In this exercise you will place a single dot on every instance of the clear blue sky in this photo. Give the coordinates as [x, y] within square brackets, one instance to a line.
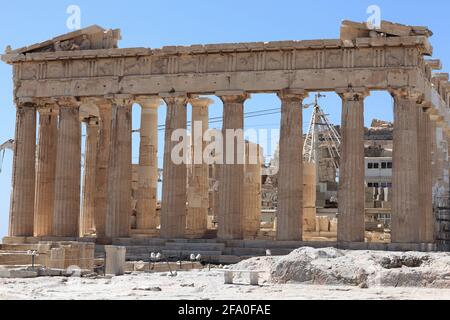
[155, 23]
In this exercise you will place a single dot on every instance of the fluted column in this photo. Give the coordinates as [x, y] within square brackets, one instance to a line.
[252, 190]
[45, 170]
[66, 214]
[351, 221]
[119, 174]
[89, 187]
[290, 174]
[173, 207]
[21, 219]
[198, 178]
[148, 165]
[102, 167]
[231, 213]
[405, 176]
[425, 177]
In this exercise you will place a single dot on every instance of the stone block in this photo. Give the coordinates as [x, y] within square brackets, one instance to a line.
[17, 273]
[115, 260]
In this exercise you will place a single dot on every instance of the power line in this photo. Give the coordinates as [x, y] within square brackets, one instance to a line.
[247, 115]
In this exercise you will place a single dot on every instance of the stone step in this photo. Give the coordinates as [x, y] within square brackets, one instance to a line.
[19, 247]
[139, 242]
[213, 259]
[227, 259]
[173, 254]
[281, 252]
[193, 241]
[145, 249]
[19, 258]
[195, 246]
[17, 273]
[187, 253]
[245, 251]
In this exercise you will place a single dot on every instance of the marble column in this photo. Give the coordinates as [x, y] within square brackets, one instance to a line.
[231, 197]
[198, 177]
[21, 219]
[309, 196]
[351, 220]
[146, 218]
[290, 174]
[252, 190]
[216, 171]
[173, 207]
[66, 214]
[405, 176]
[440, 185]
[89, 186]
[102, 167]
[425, 177]
[45, 170]
[119, 173]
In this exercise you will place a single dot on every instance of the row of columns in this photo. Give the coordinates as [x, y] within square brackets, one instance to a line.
[107, 181]
[412, 215]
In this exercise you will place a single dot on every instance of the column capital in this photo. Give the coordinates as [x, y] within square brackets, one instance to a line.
[149, 102]
[48, 110]
[406, 93]
[178, 98]
[201, 102]
[121, 100]
[25, 103]
[293, 95]
[353, 94]
[47, 106]
[233, 96]
[67, 102]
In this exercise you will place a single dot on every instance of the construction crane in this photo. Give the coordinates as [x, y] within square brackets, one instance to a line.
[321, 134]
[8, 145]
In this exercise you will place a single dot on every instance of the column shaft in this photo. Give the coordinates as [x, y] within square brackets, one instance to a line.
[148, 166]
[119, 174]
[102, 169]
[66, 215]
[425, 177]
[45, 171]
[173, 207]
[252, 190]
[351, 221]
[231, 197]
[290, 174]
[23, 180]
[89, 186]
[405, 176]
[198, 177]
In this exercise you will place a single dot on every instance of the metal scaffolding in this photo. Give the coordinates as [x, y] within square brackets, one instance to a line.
[8, 145]
[321, 134]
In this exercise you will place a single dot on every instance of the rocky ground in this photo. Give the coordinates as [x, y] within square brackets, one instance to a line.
[365, 269]
[305, 274]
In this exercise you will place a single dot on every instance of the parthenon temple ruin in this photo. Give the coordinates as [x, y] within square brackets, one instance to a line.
[84, 78]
